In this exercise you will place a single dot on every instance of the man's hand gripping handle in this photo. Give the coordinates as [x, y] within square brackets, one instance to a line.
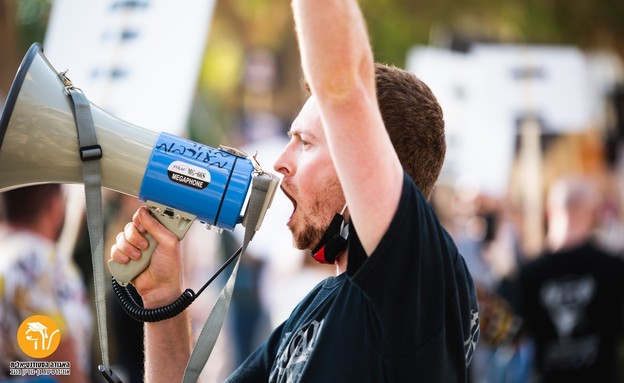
[178, 222]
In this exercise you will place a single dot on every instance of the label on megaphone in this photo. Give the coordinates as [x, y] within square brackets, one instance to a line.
[207, 182]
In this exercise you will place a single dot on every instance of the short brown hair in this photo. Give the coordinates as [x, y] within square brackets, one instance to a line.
[414, 121]
[23, 206]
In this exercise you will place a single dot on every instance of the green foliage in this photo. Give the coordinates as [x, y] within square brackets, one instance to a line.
[396, 25]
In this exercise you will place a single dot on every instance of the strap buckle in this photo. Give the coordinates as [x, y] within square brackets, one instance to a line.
[90, 152]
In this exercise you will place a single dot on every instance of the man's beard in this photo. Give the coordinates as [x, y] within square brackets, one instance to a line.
[310, 237]
[312, 232]
[313, 228]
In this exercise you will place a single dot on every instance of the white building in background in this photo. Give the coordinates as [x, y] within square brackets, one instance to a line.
[489, 91]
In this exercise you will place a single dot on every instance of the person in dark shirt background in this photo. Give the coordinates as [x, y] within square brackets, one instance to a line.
[571, 296]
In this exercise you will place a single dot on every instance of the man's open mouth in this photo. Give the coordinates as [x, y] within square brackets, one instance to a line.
[292, 199]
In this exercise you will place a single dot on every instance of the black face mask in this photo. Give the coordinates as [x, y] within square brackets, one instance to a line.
[334, 241]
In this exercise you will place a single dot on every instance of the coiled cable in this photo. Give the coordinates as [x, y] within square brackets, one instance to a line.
[141, 314]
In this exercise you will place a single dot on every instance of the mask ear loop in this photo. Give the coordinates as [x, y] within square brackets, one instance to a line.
[344, 228]
[344, 209]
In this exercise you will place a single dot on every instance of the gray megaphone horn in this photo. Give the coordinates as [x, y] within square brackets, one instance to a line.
[179, 179]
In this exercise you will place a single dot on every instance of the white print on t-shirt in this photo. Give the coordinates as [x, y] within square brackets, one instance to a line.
[470, 344]
[566, 300]
[294, 353]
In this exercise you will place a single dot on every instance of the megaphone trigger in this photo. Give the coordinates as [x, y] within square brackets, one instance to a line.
[176, 221]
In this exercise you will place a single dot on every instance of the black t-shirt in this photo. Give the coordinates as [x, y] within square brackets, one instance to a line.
[572, 304]
[407, 313]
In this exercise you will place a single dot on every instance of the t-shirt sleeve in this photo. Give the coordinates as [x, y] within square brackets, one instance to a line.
[416, 282]
[257, 366]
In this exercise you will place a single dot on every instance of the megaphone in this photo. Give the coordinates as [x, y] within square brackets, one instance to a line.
[181, 180]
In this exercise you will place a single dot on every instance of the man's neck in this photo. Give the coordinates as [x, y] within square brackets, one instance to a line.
[341, 262]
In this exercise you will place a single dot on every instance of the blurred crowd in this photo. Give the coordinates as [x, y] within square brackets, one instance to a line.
[555, 314]
[548, 313]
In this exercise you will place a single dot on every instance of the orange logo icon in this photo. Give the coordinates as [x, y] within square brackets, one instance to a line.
[38, 336]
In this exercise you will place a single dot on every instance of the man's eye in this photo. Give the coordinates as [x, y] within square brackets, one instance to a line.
[303, 142]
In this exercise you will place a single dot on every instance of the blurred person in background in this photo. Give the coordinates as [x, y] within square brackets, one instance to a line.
[36, 280]
[402, 306]
[571, 296]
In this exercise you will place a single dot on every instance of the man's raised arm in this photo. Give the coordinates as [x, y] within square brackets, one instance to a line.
[338, 65]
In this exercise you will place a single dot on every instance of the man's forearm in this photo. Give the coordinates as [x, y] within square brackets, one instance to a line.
[167, 348]
[333, 42]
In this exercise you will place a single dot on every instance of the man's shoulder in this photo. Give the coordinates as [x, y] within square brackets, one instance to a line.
[412, 199]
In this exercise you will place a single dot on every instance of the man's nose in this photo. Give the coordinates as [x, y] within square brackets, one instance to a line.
[282, 164]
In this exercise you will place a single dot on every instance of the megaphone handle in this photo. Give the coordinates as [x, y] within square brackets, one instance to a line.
[125, 273]
[177, 221]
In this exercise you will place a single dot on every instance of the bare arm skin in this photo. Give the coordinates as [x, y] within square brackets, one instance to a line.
[338, 64]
